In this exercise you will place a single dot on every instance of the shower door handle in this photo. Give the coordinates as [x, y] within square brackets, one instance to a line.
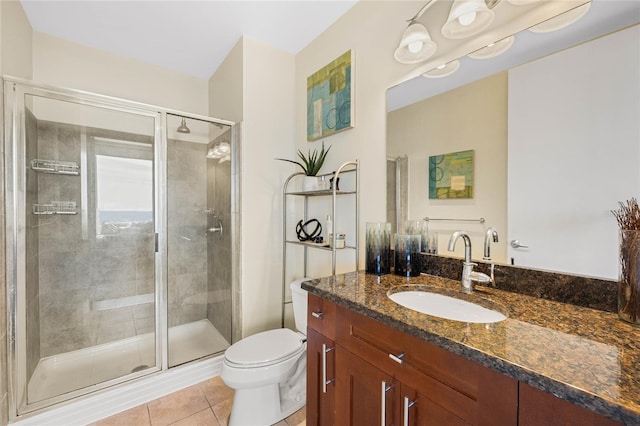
[155, 244]
[216, 229]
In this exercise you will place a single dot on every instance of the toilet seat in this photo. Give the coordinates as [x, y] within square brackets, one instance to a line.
[264, 349]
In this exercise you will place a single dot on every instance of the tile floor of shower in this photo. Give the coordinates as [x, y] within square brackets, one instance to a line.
[59, 374]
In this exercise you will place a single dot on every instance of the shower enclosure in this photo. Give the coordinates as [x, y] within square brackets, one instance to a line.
[118, 241]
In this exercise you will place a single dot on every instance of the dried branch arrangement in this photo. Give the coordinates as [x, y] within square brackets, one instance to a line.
[628, 217]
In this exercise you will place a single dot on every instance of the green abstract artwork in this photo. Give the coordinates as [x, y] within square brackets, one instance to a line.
[451, 175]
[329, 99]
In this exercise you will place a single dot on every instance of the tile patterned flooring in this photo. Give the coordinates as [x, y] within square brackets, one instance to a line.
[205, 404]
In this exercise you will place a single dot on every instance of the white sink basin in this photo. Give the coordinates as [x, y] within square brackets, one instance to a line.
[447, 307]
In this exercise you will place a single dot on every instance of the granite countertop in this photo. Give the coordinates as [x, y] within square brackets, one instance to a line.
[586, 356]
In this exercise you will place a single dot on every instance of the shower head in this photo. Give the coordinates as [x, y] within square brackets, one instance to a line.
[183, 127]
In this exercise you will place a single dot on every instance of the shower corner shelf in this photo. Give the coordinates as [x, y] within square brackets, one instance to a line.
[55, 167]
[55, 207]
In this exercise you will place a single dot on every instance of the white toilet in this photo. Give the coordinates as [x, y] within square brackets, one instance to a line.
[268, 370]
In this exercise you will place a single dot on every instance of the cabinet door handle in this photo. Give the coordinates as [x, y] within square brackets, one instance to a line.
[405, 416]
[325, 382]
[397, 358]
[383, 402]
[317, 315]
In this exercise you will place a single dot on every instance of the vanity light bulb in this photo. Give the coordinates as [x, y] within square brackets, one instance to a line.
[224, 147]
[415, 47]
[467, 18]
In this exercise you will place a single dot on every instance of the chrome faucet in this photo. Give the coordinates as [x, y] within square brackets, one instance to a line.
[467, 266]
[490, 235]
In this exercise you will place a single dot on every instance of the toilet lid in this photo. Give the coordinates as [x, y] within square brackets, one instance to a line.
[264, 348]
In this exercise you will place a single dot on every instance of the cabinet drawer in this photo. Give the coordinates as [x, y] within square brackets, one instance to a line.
[375, 342]
[321, 316]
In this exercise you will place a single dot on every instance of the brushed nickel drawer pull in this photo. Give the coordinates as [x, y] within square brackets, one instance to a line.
[407, 404]
[317, 315]
[398, 358]
[383, 402]
[325, 382]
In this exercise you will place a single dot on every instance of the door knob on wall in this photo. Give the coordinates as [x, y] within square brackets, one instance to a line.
[516, 244]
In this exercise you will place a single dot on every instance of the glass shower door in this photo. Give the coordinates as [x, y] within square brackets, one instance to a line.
[85, 211]
[198, 238]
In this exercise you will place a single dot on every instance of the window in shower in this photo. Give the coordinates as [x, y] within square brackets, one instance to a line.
[124, 200]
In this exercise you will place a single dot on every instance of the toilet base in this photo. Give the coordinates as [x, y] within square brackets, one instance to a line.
[261, 406]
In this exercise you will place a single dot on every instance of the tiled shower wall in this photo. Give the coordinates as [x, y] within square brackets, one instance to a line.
[219, 245]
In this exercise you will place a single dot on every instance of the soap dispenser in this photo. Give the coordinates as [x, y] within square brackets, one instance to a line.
[329, 230]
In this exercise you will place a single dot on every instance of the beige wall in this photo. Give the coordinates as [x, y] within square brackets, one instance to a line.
[62, 63]
[225, 86]
[371, 29]
[264, 103]
[426, 128]
[16, 50]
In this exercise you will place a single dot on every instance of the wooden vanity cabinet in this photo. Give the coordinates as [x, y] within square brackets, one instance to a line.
[373, 371]
[432, 386]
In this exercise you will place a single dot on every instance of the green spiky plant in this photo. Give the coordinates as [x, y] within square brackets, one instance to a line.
[312, 163]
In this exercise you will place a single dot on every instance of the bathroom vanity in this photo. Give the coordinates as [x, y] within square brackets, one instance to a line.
[372, 361]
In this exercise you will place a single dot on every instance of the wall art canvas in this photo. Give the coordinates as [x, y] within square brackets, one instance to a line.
[330, 98]
[451, 175]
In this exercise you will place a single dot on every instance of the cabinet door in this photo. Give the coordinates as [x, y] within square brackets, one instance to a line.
[365, 395]
[417, 409]
[320, 369]
[540, 408]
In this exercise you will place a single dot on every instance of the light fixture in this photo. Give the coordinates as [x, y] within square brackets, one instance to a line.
[494, 49]
[220, 150]
[443, 70]
[562, 20]
[183, 127]
[416, 44]
[467, 18]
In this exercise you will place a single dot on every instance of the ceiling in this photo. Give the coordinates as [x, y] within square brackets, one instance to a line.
[190, 37]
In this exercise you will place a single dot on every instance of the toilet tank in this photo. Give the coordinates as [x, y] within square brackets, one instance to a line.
[299, 301]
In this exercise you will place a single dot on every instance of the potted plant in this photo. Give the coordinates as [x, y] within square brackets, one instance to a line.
[311, 165]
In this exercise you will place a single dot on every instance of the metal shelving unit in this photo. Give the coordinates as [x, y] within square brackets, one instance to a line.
[346, 168]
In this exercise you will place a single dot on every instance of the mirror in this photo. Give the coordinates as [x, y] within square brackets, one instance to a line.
[529, 182]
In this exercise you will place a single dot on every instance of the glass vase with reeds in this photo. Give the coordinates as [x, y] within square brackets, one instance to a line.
[628, 217]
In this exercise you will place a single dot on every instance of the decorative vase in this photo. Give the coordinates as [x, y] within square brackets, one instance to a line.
[378, 243]
[407, 255]
[629, 283]
[310, 183]
[419, 227]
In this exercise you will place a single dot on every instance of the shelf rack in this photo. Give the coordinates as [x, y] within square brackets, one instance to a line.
[334, 193]
[55, 167]
[55, 207]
